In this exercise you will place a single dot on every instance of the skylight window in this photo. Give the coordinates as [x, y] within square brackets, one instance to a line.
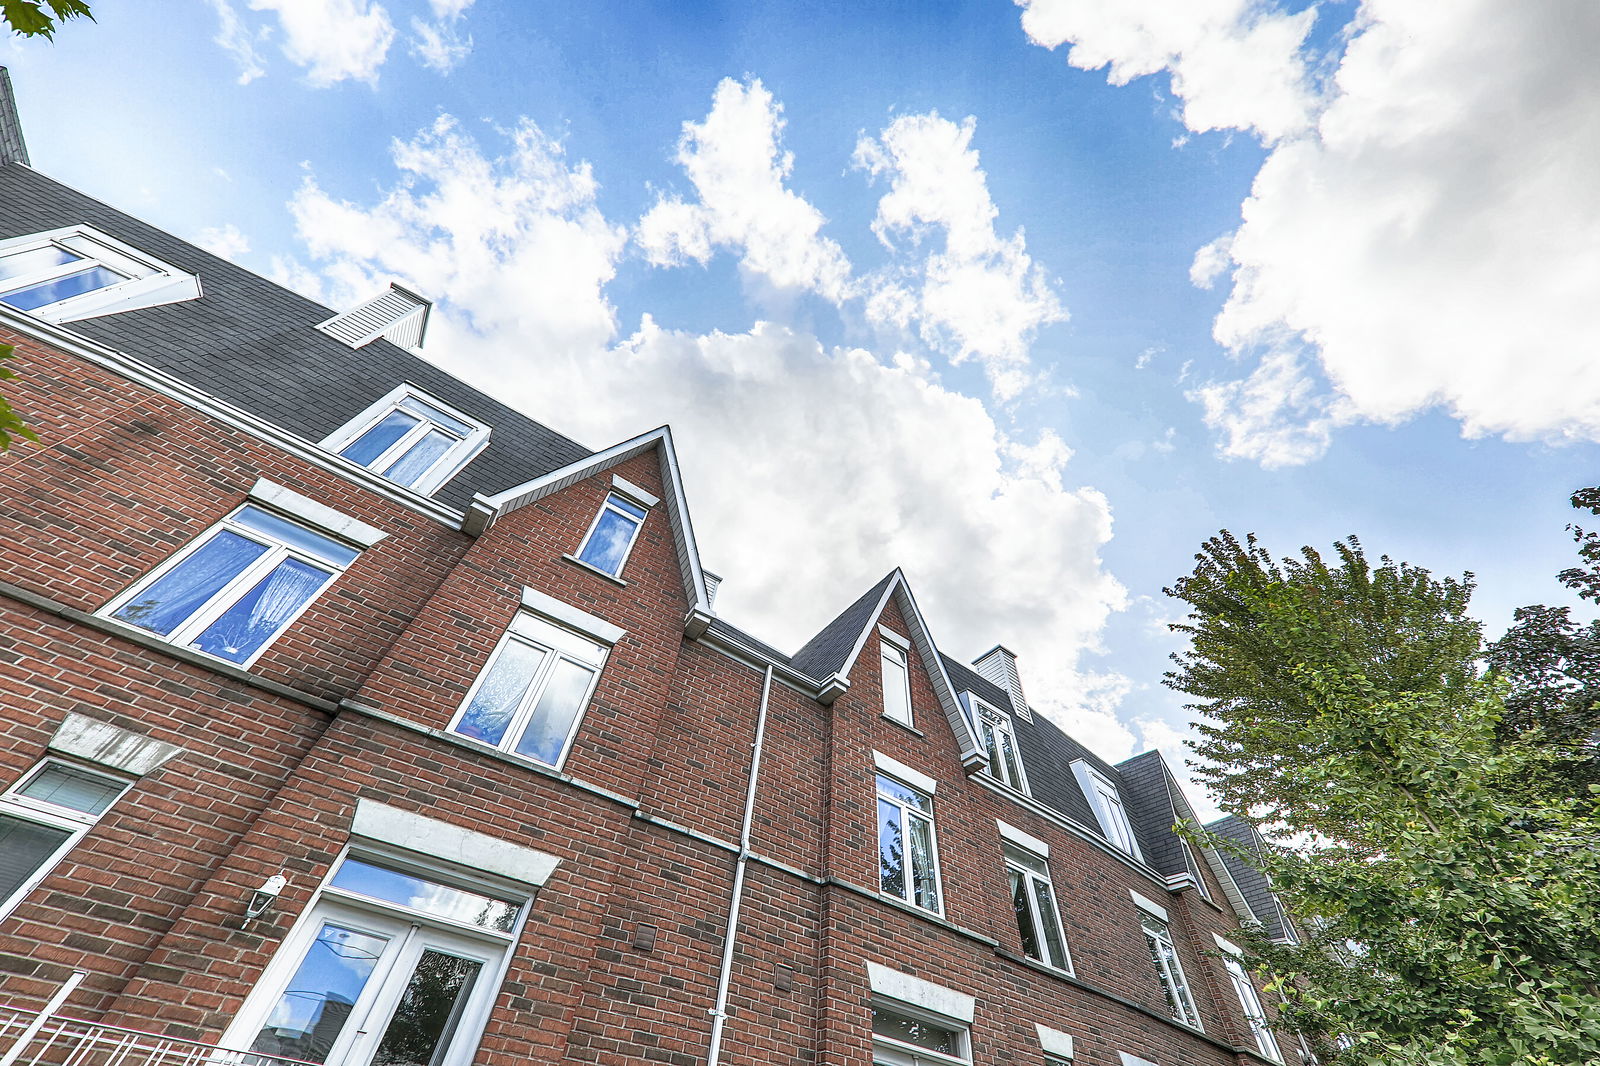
[74, 273]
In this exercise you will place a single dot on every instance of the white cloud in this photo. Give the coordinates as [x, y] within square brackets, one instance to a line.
[449, 9]
[224, 240]
[1432, 241]
[518, 254]
[1234, 63]
[439, 46]
[238, 41]
[737, 164]
[979, 295]
[334, 40]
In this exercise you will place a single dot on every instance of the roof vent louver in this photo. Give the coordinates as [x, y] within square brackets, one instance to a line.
[399, 315]
[999, 665]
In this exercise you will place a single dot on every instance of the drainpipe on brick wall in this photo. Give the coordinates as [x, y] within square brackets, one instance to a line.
[719, 1012]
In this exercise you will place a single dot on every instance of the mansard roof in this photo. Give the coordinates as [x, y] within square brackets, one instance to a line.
[251, 342]
[1253, 884]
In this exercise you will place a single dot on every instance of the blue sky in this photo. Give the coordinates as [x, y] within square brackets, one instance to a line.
[1027, 299]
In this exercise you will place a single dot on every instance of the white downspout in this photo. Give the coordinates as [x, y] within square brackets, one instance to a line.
[719, 1012]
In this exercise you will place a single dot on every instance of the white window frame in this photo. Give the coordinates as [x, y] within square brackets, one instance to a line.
[1255, 1015]
[888, 1051]
[523, 630]
[447, 466]
[1015, 857]
[909, 857]
[229, 594]
[992, 720]
[893, 655]
[615, 493]
[330, 901]
[148, 281]
[1106, 802]
[1199, 871]
[53, 816]
[1169, 968]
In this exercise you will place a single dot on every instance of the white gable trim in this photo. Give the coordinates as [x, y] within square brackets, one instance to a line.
[904, 988]
[485, 510]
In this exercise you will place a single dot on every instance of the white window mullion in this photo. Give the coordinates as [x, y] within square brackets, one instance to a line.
[228, 594]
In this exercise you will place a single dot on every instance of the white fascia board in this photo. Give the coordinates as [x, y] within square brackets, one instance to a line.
[936, 999]
[175, 388]
[486, 509]
[1025, 841]
[1054, 1041]
[895, 768]
[325, 518]
[629, 489]
[866, 630]
[571, 617]
[441, 840]
[972, 755]
[110, 746]
[1148, 905]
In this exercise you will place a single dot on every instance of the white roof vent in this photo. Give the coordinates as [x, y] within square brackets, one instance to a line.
[712, 581]
[399, 314]
[999, 665]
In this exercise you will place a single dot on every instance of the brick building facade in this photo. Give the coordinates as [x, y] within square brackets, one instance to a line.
[353, 717]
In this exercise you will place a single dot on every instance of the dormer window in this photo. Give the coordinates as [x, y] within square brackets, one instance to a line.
[894, 651]
[1106, 802]
[411, 439]
[1000, 742]
[74, 273]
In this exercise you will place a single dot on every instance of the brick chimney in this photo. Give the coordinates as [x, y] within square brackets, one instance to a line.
[999, 665]
[12, 147]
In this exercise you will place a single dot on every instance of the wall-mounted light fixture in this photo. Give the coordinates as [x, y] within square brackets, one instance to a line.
[263, 898]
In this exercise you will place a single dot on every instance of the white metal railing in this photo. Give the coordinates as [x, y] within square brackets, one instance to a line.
[43, 1038]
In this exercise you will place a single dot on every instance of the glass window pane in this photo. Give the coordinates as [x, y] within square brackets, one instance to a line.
[313, 1010]
[891, 850]
[366, 448]
[419, 458]
[257, 616]
[606, 546]
[297, 536]
[497, 699]
[896, 702]
[561, 639]
[74, 789]
[1055, 944]
[24, 847]
[904, 793]
[1025, 924]
[1008, 759]
[184, 589]
[558, 706]
[429, 1011]
[33, 297]
[434, 414]
[16, 264]
[916, 1032]
[922, 864]
[429, 897]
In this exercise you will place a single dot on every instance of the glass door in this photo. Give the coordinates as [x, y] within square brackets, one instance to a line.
[357, 989]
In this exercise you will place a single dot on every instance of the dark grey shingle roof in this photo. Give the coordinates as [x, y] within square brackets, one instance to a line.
[1148, 797]
[251, 342]
[1253, 884]
[825, 653]
[724, 629]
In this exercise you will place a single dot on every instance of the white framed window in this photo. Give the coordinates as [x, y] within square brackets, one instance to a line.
[393, 963]
[1249, 1002]
[1164, 954]
[903, 1035]
[896, 681]
[532, 694]
[612, 533]
[411, 438]
[1033, 899]
[1106, 802]
[908, 854]
[1000, 742]
[42, 816]
[233, 591]
[77, 272]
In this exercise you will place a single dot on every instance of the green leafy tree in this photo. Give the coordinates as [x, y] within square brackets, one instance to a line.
[41, 18]
[1444, 870]
[11, 425]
